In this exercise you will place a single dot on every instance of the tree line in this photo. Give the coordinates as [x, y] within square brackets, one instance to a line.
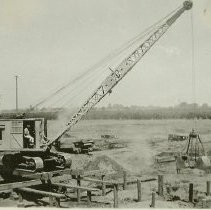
[118, 111]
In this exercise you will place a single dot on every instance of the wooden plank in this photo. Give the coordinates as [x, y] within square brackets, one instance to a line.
[44, 193]
[142, 180]
[76, 187]
[19, 184]
[111, 183]
[27, 174]
[99, 181]
[6, 191]
[149, 179]
[13, 185]
[94, 172]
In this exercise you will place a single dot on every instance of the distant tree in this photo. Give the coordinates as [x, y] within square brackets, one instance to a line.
[182, 105]
[204, 106]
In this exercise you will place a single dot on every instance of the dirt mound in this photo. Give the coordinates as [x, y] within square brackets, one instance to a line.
[106, 164]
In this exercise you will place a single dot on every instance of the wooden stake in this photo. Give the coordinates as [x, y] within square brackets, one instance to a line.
[78, 195]
[53, 201]
[89, 197]
[160, 185]
[191, 192]
[124, 180]
[208, 188]
[139, 189]
[204, 203]
[103, 186]
[153, 200]
[20, 201]
[79, 180]
[115, 196]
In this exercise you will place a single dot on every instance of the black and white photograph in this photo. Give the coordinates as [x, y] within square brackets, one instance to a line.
[105, 104]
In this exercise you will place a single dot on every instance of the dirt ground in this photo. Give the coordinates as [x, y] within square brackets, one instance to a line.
[144, 140]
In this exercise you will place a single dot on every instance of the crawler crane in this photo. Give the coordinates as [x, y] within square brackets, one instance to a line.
[42, 158]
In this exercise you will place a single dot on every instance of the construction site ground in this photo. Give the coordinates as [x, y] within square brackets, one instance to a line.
[143, 141]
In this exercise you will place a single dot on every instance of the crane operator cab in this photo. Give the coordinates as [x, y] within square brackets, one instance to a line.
[22, 148]
[22, 133]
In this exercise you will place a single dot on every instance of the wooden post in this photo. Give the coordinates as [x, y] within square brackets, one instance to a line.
[191, 192]
[208, 188]
[103, 186]
[79, 180]
[89, 197]
[124, 180]
[139, 190]
[153, 200]
[78, 195]
[160, 185]
[13, 195]
[57, 202]
[115, 196]
[20, 201]
[204, 203]
[53, 201]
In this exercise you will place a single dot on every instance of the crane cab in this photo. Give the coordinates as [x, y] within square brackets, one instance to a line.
[17, 133]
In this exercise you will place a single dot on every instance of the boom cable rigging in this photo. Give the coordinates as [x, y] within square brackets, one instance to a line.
[103, 63]
[193, 72]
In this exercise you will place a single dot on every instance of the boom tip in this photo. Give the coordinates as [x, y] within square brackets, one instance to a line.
[188, 5]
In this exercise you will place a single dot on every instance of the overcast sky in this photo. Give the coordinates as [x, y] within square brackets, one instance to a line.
[50, 42]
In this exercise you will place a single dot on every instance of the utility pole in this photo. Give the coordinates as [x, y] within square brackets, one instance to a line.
[0, 101]
[16, 90]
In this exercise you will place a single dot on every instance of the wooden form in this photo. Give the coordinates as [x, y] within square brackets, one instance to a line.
[99, 181]
[38, 178]
[26, 174]
[130, 182]
[7, 186]
[54, 198]
[15, 185]
[78, 190]
[54, 178]
[107, 183]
